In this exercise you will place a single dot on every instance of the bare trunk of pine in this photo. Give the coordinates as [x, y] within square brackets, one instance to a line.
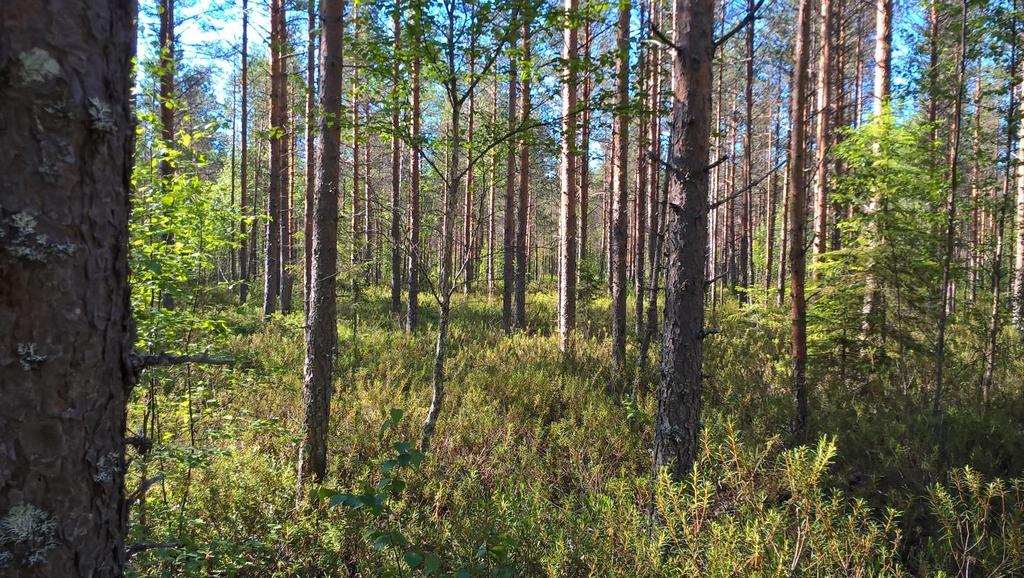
[770, 202]
[798, 217]
[245, 272]
[285, 219]
[272, 271]
[396, 174]
[883, 64]
[619, 202]
[509, 234]
[413, 271]
[1013, 128]
[321, 337]
[312, 29]
[492, 196]
[167, 128]
[523, 205]
[746, 267]
[823, 137]
[567, 226]
[467, 215]
[64, 296]
[358, 230]
[584, 153]
[641, 193]
[677, 420]
[950, 228]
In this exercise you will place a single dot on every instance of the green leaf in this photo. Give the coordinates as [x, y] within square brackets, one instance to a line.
[431, 564]
[413, 559]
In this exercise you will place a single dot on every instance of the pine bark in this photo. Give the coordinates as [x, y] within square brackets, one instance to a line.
[567, 225]
[822, 139]
[584, 152]
[620, 187]
[396, 173]
[523, 203]
[272, 270]
[308, 214]
[798, 218]
[167, 120]
[64, 296]
[509, 223]
[321, 337]
[244, 271]
[883, 65]
[950, 210]
[413, 270]
[677, 418]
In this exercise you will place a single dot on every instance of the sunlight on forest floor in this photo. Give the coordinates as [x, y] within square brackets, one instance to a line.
[541, 464]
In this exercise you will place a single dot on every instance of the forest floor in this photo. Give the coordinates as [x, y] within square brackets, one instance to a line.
[541, 464]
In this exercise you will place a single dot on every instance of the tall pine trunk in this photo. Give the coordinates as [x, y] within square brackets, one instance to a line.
[509, 221]
[272, 270]
[677, 418]
[950, 209]
[396, 172]
[523, 204]
[619, 208]
[567, 226]
[798, 217]
[321, 337]
[244, 271]
[64, 296]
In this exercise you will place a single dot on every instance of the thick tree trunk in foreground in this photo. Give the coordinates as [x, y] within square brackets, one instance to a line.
[64, 298]
[677, 421]
[321, 338]
[619, 202]
[567, 207]
[798, 217]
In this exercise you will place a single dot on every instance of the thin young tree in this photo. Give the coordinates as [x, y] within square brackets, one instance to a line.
[321, 338]
[677, 418]
[68, 332]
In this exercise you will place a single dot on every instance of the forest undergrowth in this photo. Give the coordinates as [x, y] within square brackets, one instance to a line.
[541, 465]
